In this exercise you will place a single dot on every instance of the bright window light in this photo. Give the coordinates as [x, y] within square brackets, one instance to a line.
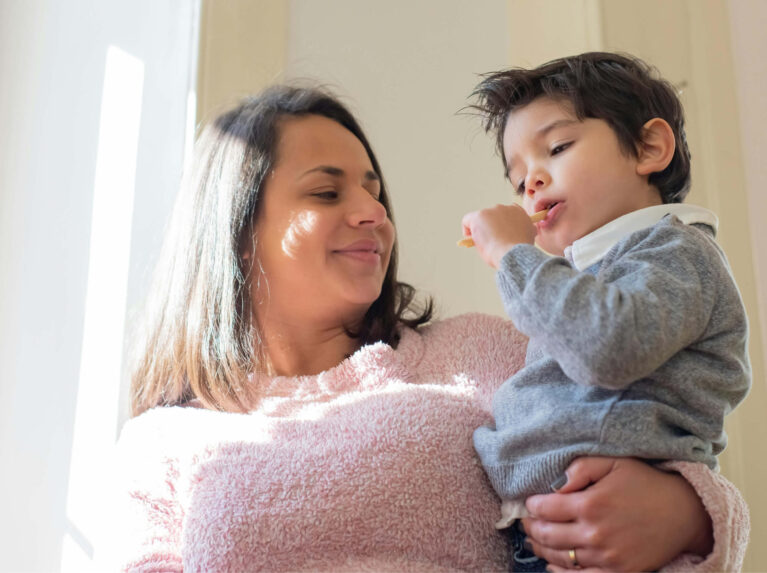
[101, 359]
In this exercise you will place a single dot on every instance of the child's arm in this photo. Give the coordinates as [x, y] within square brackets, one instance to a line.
[646, 305]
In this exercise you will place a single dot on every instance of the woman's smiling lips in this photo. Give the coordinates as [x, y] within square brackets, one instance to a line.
[365, 250]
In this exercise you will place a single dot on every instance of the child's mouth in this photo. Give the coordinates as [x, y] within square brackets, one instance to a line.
[553, 210]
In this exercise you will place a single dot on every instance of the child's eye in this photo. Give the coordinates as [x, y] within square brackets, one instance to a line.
[560, 148]
[520, 189]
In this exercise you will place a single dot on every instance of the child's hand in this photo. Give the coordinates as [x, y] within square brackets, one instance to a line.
[497, 229]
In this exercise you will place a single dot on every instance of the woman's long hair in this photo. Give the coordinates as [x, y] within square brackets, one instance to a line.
[198, 338]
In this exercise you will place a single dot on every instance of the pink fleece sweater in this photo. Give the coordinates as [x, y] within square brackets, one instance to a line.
[368, 466]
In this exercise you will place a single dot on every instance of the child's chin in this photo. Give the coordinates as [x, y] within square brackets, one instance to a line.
[550, 247]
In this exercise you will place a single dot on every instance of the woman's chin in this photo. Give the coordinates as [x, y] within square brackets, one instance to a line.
[358, 302]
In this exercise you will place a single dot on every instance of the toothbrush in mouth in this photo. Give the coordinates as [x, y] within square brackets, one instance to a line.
[535, 218]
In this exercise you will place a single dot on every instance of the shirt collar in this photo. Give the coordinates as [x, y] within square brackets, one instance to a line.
[592, 248]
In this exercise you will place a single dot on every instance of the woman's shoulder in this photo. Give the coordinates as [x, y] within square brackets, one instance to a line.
[480, 343]
[165, 429]
[160, 418]
[474, 327]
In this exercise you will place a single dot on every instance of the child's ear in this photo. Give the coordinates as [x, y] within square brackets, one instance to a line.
[657, 147]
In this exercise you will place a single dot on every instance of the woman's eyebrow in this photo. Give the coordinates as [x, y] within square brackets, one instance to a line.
[370, 175]
[329, 169]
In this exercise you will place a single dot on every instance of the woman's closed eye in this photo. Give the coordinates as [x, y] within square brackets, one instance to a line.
[326, 194]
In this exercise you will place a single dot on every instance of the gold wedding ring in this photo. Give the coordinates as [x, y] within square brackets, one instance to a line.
[573, 558]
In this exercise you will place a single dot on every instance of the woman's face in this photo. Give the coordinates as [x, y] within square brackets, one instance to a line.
[323, 239]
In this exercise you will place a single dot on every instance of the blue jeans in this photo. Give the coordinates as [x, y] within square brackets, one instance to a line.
[521, 558]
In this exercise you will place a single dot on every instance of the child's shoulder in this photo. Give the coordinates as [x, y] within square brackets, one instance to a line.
[674, 239]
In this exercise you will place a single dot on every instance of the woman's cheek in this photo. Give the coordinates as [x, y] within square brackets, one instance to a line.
[298, 232]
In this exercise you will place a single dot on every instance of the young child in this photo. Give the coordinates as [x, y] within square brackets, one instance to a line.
[637, 330]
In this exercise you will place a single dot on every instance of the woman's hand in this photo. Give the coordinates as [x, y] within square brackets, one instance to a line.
[619, 514]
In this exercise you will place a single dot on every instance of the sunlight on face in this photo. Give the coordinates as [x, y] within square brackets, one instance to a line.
[299, 229]
[324, 238]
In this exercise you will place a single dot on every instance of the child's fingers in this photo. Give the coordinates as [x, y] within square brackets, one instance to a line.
[466, 222]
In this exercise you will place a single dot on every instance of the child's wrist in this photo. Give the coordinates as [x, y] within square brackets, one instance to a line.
[500, 252]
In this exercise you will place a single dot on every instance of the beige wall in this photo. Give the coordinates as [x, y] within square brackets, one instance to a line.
[690, 41]
[242, 49]
[407, 76]
[749, 49]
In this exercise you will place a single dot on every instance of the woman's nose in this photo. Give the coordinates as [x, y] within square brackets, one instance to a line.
[367, 211]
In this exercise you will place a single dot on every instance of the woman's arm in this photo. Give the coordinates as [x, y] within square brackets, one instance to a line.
[145, 534]
[621, 514]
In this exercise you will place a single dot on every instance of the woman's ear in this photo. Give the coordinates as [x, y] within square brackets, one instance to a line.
[657, 147]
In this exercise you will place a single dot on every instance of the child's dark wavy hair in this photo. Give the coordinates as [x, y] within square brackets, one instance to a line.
[622, 90]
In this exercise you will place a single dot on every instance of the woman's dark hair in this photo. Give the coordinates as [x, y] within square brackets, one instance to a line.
[199, 339]
[622, 90]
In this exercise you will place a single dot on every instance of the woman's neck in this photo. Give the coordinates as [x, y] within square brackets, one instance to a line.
[296, 350]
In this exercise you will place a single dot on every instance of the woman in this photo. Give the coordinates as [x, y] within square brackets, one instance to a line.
[294, 412]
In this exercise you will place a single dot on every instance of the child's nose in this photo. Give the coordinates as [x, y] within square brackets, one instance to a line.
[536, 181]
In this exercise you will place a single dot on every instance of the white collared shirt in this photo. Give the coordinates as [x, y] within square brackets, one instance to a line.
[591, 248]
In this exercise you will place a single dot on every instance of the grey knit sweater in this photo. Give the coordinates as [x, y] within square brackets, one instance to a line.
[642, 354]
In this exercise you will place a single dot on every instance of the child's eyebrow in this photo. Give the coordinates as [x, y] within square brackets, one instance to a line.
[556, 124]
[540, 133]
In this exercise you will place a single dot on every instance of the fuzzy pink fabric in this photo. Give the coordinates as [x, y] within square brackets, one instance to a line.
[366, 467]
[729, 514]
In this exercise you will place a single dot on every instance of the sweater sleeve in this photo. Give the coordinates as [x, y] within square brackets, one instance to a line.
[646, 305]
[729, 517]
[148, 523]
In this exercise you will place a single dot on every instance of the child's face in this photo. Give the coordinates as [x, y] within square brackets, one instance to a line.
[574, 168]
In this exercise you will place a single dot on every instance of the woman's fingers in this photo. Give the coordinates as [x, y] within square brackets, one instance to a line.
[553, 535]
[554, 506]
[582, 472]
[580, 475]
[561, 557]
[557, 569]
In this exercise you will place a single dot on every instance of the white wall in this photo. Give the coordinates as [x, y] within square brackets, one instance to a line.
[53, 65]
[406, 68]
